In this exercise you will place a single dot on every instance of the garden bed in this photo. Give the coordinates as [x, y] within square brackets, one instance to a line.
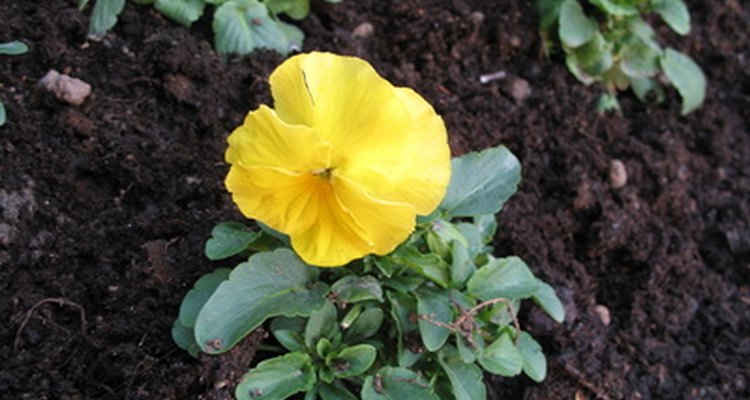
[106, 206]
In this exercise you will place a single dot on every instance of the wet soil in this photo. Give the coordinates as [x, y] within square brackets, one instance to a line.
[105, 206]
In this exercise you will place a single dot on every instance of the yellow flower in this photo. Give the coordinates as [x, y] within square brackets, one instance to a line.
[343, 164]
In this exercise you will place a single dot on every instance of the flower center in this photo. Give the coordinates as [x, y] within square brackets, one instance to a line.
[324, 173]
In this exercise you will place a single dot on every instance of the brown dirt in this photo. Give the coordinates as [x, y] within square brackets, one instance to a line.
[105, 206]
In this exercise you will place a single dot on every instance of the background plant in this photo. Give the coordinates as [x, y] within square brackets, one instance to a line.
[619, 49]
[12, 48]
[240, 26]
[423, 322]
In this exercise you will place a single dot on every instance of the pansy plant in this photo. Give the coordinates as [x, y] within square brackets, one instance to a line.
[240, 26]
[349, 171]
[615, 46]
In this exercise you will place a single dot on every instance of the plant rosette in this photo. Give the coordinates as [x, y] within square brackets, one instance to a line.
[350, 173]
[622, 51]
[240, 26]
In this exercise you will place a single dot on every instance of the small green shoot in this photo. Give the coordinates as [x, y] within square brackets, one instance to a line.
[12, 48]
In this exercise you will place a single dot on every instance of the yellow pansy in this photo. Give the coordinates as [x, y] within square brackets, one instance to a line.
[343, 164]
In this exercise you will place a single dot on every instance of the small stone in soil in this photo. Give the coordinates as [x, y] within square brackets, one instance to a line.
[520, 89]
[618, 175]
[603, 313]
[66, 88]
[363, 30]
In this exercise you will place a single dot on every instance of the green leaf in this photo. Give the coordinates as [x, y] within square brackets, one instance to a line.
[575, 27]
[641, 29]
[354, 289]
[466, 379]
[321, 324]
[643, 86]
[277, 378]
[675, 14]
[288, 332]
[353, 361]
[473, 238]
[335, 391]
[404, 283]
[241, 26]
[82, 4]
[104, 16]
[185, 339]
[323, 348]
[500, 313]
[366, 325]
[481, 182]
[686, 76]
[546, 298]
[13, 48]
[448, 232]
[291, 340]
[487, 225]
[549, 12]
[326, 375]
[296, 9]
[639, 60]
[184, 12]
[228, 239]
[268, 284]
[2, 114]
[502, 357]
[436, 244]
[293, 35]
[608, 102]
[403, 306]
[469, 352]
[462, 267]
[384, 265]
[434, 307]
[593, 58]
[534, 362]
[617, 8]
[392, 383]
[199, 295]
[182, 330]
[507, 278]
[430, 266]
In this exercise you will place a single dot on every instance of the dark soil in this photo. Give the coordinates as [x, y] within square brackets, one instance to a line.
[105, 206]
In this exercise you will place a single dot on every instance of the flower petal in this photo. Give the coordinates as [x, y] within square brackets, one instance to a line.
[279, 199]
[381, 136]
[264, 140]
[292, 99]
[335, 238]
[385, 224]
[415, 167]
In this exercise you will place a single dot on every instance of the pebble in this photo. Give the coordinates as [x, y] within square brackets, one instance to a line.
[603, 313]
[515, 41]
[363, 30]
[618, 175]
[66, 88]
[520, 89]
[477, 17]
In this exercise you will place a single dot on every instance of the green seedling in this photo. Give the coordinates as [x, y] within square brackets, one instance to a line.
[13, 48]
[240, 26]
[423, 322]
[619, 50]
